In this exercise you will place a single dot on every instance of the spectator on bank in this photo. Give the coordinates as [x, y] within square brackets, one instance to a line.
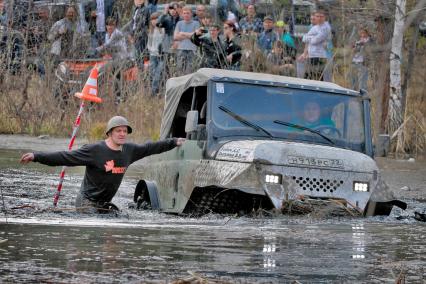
[232, 48]
[233, 19]
[152, 6]
[96, 12]
[279, 61]
[286, 38]
[251, 23]
[224, 7]
[137, 27]
[200, 12]
[206, 22]
[361, 54]
[268, 37]
[3, 17]
[211, 47]
[61, 35]
[186, 49]
[168, 21]
[328, 69]
[180, 6]
[315, 51]
[301, 61]
[40, 45]
[156, 58]
[115, 42]
[115, 46]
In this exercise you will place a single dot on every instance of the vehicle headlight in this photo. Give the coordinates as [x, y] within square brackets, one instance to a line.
[273, 178]
[361, 186]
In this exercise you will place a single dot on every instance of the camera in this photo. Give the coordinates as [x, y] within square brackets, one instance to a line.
[204, 30]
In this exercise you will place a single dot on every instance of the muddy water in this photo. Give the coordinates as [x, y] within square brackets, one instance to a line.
[39, 245]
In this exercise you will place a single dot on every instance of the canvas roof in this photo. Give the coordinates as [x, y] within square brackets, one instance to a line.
[175, 87]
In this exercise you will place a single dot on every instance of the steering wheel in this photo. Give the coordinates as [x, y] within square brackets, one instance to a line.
[328, 129]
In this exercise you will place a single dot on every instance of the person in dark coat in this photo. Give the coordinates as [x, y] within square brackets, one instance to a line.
[138, 27]
[168, 21]
[232, 48]
[212, 49]
[96, 12]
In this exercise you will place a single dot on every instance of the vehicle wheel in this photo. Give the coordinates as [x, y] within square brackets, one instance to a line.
[141, 196]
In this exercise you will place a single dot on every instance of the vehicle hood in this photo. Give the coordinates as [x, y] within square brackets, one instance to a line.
[295, 154]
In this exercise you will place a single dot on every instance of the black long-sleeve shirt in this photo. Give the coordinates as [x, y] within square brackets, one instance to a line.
[212, 52]
[105, 167]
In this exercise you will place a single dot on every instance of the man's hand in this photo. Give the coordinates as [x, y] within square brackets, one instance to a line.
[198, 31]
[26, 158]
[180, 141]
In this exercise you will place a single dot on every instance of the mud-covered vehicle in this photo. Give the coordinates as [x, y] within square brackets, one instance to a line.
[252, 143]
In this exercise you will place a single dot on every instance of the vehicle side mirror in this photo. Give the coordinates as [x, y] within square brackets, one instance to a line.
[382, 145]
[191, 121]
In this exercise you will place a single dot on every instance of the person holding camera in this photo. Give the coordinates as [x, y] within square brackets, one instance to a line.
[211, 47]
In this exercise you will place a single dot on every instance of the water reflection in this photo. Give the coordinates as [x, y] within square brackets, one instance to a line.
[358, 241]
[269, 251]
[243, 250]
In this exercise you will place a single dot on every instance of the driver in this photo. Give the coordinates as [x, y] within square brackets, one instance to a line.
[312, 117]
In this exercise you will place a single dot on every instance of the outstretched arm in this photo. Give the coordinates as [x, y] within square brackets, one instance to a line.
[80, 157]
[152, 148]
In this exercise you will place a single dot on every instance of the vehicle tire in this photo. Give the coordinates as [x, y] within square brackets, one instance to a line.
[145, 196]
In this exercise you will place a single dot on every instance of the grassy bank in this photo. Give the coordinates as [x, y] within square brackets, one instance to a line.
[29, 107]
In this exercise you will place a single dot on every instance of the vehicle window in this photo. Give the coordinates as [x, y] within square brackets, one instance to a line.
[286, 113]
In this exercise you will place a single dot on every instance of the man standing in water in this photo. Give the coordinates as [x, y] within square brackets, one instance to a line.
[106, 162]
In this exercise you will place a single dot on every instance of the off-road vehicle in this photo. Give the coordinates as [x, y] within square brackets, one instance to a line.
[251, 144]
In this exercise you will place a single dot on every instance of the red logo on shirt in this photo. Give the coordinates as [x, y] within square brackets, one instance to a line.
[109, 166]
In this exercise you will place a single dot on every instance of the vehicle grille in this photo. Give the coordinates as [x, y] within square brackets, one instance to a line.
[317, 184]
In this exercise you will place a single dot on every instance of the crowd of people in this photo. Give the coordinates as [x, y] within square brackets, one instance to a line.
[177, 40]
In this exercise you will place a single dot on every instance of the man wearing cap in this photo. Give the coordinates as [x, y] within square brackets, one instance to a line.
[285, 37]
[106, 162]
[268, 37]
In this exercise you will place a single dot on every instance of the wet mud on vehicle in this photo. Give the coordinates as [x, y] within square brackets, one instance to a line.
[251, 143]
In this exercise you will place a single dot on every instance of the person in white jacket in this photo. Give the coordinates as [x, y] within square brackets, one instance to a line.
[316, 51]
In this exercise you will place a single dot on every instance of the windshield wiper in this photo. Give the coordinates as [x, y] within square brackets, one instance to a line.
[245, 121]
[304, 128]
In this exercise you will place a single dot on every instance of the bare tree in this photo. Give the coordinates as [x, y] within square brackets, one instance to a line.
[395, 102]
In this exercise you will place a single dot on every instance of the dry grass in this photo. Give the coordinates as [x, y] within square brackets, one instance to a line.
[40, 112]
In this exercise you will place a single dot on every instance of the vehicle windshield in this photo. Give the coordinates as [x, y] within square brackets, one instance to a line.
[266, 112]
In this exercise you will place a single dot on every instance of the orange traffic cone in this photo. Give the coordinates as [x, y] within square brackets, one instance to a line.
[90, 89]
